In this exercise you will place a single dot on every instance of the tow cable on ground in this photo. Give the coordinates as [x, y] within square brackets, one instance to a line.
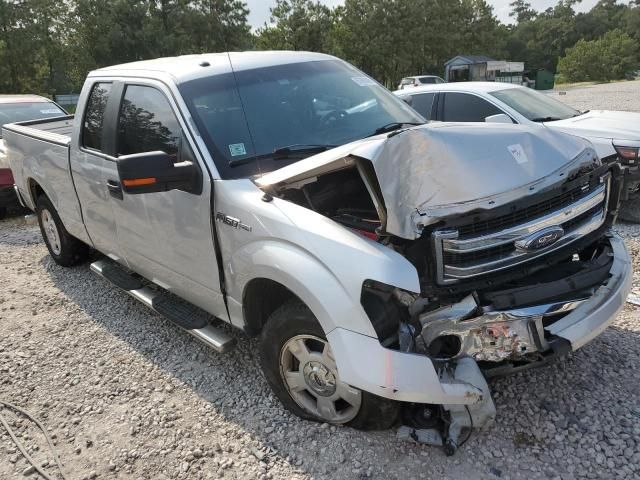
[21, 447]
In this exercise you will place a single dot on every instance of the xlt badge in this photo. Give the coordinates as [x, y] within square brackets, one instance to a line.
[231, 221]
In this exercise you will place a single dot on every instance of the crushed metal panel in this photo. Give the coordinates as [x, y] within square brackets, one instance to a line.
[479, 415]
[436, 170]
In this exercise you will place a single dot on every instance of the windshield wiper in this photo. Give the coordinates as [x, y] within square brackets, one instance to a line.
[545, 119]
[390, 127]
[299, 149]
[283, 153]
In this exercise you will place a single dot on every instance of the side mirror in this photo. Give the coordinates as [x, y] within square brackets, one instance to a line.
[408, 99]
[499, 118]
[155, 172]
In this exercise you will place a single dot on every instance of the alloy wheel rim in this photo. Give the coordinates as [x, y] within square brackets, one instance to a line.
[51, 231]
[310, 374]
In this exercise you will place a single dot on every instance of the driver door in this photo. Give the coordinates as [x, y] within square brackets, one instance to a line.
[166, 236]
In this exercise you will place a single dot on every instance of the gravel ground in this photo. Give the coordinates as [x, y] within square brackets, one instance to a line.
[611, 96]
[126, 394]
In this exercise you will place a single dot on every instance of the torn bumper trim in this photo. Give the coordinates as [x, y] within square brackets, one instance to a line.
[591, 318]
[365, 364]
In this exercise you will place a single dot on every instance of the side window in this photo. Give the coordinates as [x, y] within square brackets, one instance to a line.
[423, 103]
[461, 107]
[146, 123]
[94, 116]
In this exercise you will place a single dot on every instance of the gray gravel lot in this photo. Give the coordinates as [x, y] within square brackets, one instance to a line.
[612, 96]
[128, 395]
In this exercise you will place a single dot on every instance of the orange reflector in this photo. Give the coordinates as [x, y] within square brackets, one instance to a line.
[137, 182]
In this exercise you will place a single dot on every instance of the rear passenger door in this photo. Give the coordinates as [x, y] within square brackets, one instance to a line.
[165, 236]
[465, 107]
[92, 168]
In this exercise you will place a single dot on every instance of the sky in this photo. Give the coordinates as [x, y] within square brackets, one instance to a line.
[260, 8]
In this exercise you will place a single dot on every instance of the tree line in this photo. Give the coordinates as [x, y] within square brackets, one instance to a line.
[48, 46]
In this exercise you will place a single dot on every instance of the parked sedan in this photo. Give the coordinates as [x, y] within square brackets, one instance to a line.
[18, 108]
[615, 135]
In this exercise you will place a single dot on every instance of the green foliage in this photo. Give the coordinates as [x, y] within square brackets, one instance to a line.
[297, 25]
[610, 57]
[388, 39]
[521, 10]
[48, 46]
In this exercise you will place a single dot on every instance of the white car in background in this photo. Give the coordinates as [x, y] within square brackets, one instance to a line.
[614, 135]
[417, 81]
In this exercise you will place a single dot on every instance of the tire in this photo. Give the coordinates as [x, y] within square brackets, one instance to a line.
[3, 213]
[630, 210]
[312, 378]
[65, 249]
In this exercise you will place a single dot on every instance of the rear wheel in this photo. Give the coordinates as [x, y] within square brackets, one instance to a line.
[65, 249]
[298, 363]
[3, 212]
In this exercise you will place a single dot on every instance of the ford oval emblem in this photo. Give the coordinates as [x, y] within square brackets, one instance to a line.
[541, 239]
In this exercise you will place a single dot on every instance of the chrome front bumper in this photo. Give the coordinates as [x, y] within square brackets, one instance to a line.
[412, 377]
[589, 320]
[513, 335]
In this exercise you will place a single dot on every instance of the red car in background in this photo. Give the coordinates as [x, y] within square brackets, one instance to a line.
[18, 108]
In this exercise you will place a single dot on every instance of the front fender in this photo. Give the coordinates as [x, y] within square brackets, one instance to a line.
[305, 276]
[320, 261]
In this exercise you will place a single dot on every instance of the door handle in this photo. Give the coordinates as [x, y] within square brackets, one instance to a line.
[115, 189]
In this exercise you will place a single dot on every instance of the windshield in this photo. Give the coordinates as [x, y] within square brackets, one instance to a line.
[20, 112]
[319, 103]
[535, 106]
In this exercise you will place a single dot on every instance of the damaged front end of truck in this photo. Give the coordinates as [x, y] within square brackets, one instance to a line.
[509, 231]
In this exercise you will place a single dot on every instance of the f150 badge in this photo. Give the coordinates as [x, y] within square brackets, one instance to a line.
[541, 239]
[231, 221]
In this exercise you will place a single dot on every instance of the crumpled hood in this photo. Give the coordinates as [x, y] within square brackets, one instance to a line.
[439, 169]
[602, 124]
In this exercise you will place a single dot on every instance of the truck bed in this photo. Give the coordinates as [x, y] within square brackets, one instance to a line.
[38, 153]
[57, 130]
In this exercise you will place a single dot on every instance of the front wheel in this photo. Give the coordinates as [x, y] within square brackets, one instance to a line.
[65, 249]
[298, 363]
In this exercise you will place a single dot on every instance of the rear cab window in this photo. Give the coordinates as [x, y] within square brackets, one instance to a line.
[94, 116]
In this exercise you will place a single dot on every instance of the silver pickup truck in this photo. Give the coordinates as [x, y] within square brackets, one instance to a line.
[388, 265]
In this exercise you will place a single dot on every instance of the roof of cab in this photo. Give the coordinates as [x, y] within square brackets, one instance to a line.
[187, 67]
[22, 99]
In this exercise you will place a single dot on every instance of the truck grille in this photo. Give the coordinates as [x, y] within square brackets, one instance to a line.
[523, 215]
[489, 245]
